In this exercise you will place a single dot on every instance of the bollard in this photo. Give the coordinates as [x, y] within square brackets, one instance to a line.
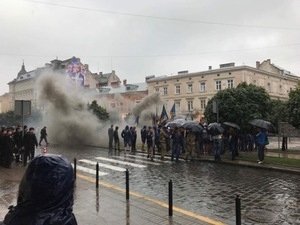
[127, 184]
[97, 175]
[170, 198]
[238, 210]
[75, 163]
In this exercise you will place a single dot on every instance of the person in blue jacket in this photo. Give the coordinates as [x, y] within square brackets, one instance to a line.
[261, 138]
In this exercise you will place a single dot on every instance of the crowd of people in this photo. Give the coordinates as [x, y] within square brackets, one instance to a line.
[186, 143]
[18, 144]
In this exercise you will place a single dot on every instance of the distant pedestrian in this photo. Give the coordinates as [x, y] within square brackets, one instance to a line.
[133, 140]
[18, 139]
[233, 142]
[30, 143]
[176, 140]
[217, 143]
[110, 138]
[8, 149]
[126, 135]
[261, 142]
[117, 139]
[149, 140]
[43, 136]
[143, 137]
[163, 139]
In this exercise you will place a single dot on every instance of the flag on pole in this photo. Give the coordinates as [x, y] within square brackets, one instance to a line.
[153, 117]
[172, 111]
[164, 115]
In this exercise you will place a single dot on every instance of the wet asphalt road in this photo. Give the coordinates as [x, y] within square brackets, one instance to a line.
[208, 189]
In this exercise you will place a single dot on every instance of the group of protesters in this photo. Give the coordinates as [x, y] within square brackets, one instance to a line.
[183, 142]
[18, 144]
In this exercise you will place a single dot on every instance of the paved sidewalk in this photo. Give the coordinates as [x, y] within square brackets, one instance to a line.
[105, 205]
[108, 205]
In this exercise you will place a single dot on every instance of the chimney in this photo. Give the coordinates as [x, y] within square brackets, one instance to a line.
[149, 77]
[124, 82]
[210, 67]
[257, 64]
[269, 61]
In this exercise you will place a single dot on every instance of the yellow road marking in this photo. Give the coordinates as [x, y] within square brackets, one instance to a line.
[185, 212]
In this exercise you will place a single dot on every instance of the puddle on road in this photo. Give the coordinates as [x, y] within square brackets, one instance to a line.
[261, 216]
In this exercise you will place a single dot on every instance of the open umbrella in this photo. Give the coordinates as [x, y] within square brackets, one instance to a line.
[181, 121]
[173, 124]
[263, 124]
[234, 125]
[215, 129]
[193, 126]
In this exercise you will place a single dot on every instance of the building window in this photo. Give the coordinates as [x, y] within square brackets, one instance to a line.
[230, 83]
[165, 90]
[190, 88]
[280, 88]
[190, 105]
[218, 85]
[202, 104]
[254, 82]
[202, 87]
[156, 90]
[269, 87]
[177, 89]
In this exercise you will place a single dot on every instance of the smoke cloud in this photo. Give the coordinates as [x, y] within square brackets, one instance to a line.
[67, 118]
[147, 103]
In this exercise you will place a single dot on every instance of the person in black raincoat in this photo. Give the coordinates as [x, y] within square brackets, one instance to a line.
[30, 142]
[45, 194]
[8, 147]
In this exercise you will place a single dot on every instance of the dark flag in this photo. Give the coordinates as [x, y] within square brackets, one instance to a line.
[172, 112]
[164, 115]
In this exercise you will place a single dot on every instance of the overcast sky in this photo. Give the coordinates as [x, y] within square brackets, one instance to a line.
[138, 38]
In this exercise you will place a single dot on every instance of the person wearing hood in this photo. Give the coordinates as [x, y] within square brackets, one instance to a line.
[45, 194]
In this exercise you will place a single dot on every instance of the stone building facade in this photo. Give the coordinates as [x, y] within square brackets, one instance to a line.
[191, 91]
[122, 98]
[23, 87]
[4, 103]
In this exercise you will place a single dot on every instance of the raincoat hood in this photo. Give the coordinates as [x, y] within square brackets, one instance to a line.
[45, 193]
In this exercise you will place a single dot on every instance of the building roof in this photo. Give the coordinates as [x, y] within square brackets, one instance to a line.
[128, 88]
[22, 71]
[220, 70]
[286, 72]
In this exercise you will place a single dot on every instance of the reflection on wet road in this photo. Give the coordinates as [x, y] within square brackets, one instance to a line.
[207, 189]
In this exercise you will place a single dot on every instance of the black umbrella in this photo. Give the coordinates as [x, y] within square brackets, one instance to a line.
[173, 124]
[193, 126]
[234, 125]
[215, 129]
[181, 121]
[262, 124]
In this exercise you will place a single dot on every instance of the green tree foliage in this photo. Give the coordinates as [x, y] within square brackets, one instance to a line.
[10, 119]
[293, 107]
[278, 112]
[98, 111]
[240, 105]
